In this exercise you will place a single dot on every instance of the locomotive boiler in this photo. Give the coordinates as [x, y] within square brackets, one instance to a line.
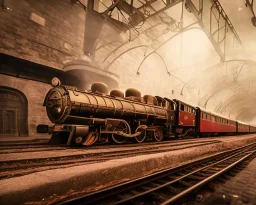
[87, 117]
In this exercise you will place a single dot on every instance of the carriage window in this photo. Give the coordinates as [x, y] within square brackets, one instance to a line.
[182, 107]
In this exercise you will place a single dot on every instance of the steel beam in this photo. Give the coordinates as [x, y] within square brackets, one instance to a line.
[205, 30]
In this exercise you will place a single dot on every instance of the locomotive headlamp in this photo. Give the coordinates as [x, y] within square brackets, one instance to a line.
[54, 104]
[55, 82]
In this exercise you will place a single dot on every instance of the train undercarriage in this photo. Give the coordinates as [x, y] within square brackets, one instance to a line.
[102, 131]
[97, 130]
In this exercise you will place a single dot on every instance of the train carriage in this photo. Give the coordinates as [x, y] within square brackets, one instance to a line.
[252, 128]
[210, 123]
[242, 127]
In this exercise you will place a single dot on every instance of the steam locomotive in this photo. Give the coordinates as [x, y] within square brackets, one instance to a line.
[88, 117]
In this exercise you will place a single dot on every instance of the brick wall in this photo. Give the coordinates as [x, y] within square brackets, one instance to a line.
[54, 33]
[35, 93]
[57, 33]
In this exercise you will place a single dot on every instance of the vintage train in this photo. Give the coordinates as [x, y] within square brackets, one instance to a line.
[88, 117]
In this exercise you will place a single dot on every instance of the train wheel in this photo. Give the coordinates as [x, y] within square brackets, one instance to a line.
[141, 138]
[118, 138]
[158, 135]
[191, 134]
[176, 136]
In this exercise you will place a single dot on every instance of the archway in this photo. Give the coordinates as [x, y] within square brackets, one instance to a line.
[13, 112]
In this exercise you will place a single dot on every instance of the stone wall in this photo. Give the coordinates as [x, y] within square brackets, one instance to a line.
[45, 32]
[35, 93]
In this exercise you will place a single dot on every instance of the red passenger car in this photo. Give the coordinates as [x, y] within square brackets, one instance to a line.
[210, 123]
[242, 127]
[252, 129]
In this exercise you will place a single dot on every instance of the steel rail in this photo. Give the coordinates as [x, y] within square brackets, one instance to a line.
[201, 183]
[173, 181]
[4, 146]
[110, 195]
[21, 149]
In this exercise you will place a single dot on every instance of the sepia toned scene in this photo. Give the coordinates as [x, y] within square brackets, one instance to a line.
[128, 102]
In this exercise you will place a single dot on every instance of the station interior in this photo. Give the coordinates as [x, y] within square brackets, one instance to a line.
[199, 54]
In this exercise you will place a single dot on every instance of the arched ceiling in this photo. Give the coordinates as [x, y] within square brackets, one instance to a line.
[162, 58]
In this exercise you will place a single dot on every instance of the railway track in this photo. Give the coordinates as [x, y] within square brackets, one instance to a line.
[17, 167]
[4, 149]
[18, 148]
[171, 185]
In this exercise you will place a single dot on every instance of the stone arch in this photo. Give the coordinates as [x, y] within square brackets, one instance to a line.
[13, 112]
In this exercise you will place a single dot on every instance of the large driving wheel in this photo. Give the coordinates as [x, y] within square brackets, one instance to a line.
[141, 138]
[158, 135]
[121, 127]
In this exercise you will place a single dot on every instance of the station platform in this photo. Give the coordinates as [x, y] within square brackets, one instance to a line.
[101, 170]
[239, 189]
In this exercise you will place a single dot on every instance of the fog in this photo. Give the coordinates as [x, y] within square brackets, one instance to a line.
[171, 55]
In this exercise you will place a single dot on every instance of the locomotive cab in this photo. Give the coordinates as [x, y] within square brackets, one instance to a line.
[171, 112]
[170, 107]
